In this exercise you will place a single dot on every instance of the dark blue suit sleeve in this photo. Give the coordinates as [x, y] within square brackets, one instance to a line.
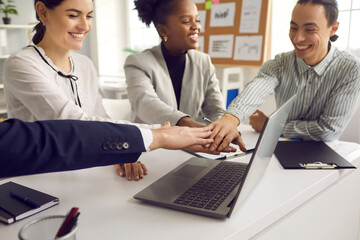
[60, 145]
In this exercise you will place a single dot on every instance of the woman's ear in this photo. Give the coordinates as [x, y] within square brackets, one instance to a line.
[41, 11]
[162, 30]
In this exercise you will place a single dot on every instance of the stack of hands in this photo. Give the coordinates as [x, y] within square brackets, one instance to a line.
[212, 139]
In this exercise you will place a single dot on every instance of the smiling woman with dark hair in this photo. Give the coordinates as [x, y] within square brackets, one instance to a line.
[173, 81]
[47, 81]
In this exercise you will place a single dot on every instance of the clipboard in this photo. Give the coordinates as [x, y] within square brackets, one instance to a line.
[309, 155]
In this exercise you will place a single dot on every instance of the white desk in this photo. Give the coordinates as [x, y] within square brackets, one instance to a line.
[286, 204]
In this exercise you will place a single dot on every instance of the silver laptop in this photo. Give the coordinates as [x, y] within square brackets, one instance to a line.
[212, 187]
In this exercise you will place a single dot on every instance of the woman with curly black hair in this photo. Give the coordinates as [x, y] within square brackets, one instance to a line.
[173, 81]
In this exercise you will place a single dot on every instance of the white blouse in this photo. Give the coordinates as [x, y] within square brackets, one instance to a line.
[34, 91]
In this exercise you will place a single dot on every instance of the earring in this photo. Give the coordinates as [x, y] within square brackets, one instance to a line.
[44, 25]
[165, 39]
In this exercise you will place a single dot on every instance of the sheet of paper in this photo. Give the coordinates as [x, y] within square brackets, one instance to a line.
[248, 48]
[212, 156]
[198, 1]
[221, 46]
[222, 15]
[345, 149]
[202, 18]
[250, 16]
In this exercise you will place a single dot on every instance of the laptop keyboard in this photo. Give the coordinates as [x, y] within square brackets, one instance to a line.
[211, 190]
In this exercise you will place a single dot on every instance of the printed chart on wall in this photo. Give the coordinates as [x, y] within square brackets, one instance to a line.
[235, 32]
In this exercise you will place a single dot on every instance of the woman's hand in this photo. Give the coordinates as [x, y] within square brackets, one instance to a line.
[135, 170]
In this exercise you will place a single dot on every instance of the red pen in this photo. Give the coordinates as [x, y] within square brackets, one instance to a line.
[66, 222]
[71, 224]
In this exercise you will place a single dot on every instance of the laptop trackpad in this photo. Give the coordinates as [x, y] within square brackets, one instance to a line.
[189, 171]
[170, 186]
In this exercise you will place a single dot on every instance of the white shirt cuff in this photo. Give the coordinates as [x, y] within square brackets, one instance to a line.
[147, 137]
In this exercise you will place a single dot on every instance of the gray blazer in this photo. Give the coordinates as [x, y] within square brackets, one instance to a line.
[152, 95]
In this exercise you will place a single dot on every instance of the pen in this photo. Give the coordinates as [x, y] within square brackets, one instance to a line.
[71, 224]
[205, 119]
[236, 154]
[67, 221]
[25, 200]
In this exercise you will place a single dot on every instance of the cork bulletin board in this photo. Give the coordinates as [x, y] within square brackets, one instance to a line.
[235, 32]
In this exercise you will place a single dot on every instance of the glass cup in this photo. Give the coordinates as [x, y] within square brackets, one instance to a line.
[45, 228]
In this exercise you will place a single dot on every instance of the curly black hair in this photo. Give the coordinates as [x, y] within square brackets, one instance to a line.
[154, 11]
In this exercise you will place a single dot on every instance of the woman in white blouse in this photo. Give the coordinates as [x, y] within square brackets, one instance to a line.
[47, 81]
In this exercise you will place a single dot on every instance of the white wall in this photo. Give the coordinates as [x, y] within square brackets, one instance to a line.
[281, 17]
[26, 12]
[110, 23]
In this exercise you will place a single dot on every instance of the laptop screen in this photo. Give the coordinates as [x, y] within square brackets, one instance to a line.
[264, 150]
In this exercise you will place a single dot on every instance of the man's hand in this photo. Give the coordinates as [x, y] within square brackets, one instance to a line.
[135, 170]
[257, 120]
[179, 137]
[224, 131]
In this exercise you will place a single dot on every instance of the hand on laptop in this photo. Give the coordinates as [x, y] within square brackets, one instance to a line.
[224, 132]
[257, 120]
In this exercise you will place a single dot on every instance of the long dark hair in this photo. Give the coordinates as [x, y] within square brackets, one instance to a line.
[40, 28]
[331, 11]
